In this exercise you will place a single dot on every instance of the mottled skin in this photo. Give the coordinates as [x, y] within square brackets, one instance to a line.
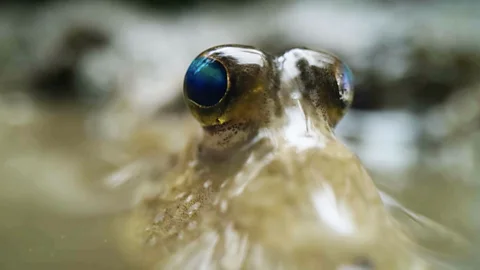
[267, 185]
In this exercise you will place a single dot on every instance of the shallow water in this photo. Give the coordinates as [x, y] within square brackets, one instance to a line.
[61, 190]
[33, 238]
[58, 210]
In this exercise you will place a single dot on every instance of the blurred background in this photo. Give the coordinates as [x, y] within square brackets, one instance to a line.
[90, 104]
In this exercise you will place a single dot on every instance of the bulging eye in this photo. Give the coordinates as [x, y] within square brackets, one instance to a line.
[229, 85]
[322, 78]
[206, 81]
[344, 78]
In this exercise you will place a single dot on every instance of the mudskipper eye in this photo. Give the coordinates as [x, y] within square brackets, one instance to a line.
[206, 81]
[344, 78]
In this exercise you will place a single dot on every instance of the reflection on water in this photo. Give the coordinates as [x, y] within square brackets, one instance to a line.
[59, 201]
[63, 169]
[52, 215]
[63, 187]
[56, 212]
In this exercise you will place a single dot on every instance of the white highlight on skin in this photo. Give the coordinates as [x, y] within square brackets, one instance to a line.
[314, 58]
[194, 257]
[243, 56]
[289, 68]
[236, 248]
[299, 131]
[289, 59]
[251, 169]
[334, 214]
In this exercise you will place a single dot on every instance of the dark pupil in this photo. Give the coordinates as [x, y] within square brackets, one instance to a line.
[206, 81]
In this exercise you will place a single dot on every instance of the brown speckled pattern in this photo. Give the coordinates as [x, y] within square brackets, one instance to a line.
[268, 186]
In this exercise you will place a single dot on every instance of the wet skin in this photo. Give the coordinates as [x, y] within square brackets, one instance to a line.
[267, 185]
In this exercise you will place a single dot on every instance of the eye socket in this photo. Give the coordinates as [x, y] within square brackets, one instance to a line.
[206, 81]
[344, 78]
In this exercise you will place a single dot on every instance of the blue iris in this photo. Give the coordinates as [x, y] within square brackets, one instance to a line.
[347, 78]
[206, 81]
